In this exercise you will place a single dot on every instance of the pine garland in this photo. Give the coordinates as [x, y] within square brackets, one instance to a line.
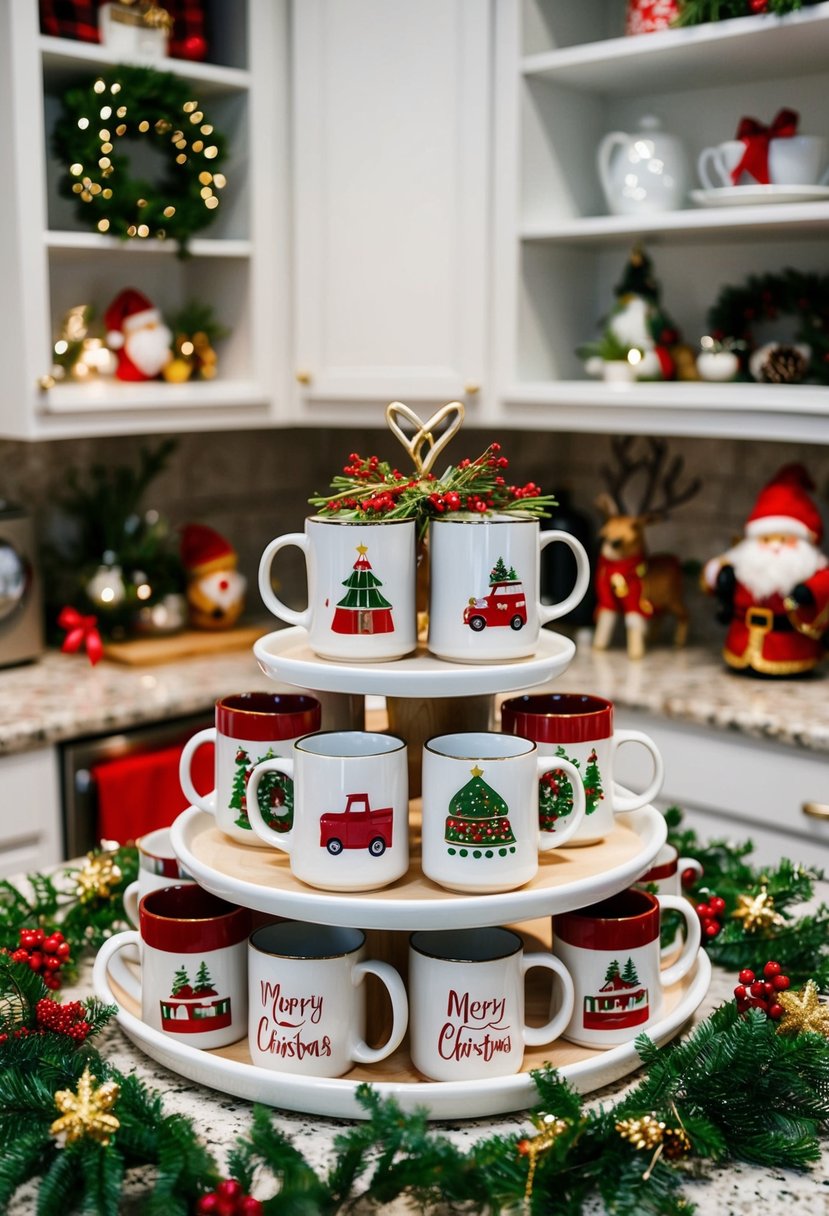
[699, 12]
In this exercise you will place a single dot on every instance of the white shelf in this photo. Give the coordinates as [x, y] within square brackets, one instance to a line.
[82, 243]
[687, 227]
[701, 56]
[62, 60]
[119, 396]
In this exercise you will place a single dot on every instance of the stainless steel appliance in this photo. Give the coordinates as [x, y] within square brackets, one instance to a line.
[21, 609]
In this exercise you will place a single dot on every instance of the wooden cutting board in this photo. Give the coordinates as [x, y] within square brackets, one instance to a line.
[146, 652]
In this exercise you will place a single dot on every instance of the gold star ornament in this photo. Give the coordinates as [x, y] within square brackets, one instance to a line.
[803, 1011]
[757, 912]
[97, 878]
[86, 1112]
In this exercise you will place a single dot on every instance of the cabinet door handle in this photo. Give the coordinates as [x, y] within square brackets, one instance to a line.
[303, 376]
[816, 810]
[471, 388]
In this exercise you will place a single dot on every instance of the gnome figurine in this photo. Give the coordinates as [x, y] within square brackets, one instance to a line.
[137, 334]
[215, 588]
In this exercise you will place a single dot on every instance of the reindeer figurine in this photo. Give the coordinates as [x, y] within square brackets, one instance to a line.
[629, 582]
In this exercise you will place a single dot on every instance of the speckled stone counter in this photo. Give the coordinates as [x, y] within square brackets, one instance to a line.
[63, 697]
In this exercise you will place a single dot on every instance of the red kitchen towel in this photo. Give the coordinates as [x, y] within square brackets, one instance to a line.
[141, 792]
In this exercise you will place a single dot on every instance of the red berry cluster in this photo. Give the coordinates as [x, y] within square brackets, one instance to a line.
[752, 993]
[228, 1199]
[710, 915]
[68, 1019]
[44, 953]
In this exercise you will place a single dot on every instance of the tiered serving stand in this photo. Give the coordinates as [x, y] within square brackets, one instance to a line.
[424, 696]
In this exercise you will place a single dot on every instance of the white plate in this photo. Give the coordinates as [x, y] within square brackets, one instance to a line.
[285, 655]
[585, 1069]
[747, 196]
[567, 878]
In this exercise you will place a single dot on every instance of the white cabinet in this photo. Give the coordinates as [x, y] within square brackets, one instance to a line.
[736, 787]
[239, 263]
[30, 821]
[563, 79]
[390, 169]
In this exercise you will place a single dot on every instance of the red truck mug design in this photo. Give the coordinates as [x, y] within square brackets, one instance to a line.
[357, 827]
[504, 604]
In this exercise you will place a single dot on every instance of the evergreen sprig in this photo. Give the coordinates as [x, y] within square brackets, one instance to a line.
[699, 12]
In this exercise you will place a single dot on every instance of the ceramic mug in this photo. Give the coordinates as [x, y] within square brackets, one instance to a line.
[193, 951]
[579, 728]
[799, 160]
[612, 951]
[158, 867]
[250, 727]
[307, 999]
[484, 594]
[361, 587]
[664, 877]
[480, 811]
[350, 830]
[467, 1003]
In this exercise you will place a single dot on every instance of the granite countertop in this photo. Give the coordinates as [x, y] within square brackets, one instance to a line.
[63, 697]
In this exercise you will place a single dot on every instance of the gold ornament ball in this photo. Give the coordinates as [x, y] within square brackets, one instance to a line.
[177, 371]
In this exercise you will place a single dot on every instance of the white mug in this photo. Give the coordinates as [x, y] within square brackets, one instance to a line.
[250, 727]
[484, 595]
[480, 811]
[664, 875]
[466, 995]
[612, 951]
[307, 999]
[799, 160]
[579, 728]
[193, 951]
[350, 829]
[361, 587]
[158, 867]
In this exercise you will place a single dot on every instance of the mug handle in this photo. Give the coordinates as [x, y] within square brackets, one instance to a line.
[611, 141]
[361, 1052]
[125, 978]
[693, 938]
[687, 863]
[205, 802]
[279, 840]
[272, 601]
[537, 1036]
[714, 156]
[551, 840]
[131, 903]
[551, 612]
[632, 802]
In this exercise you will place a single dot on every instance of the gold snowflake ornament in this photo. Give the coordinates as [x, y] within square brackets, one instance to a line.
[85, 1112]
[757, 912]
[803, 1011]
[97, 878]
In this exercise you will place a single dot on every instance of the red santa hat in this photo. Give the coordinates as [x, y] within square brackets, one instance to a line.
[128, 311]
[784, 506]
[203, 550]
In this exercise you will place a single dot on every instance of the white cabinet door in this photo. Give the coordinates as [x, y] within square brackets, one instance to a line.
[391, 134]
[30, 822]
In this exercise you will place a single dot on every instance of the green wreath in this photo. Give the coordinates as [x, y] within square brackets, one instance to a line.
[92, 138]
[766, 297]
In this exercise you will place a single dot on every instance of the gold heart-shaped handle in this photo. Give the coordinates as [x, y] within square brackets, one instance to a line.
[423, 431]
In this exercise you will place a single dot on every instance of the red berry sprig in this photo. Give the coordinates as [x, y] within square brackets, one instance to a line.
[710, 916]
[752, 993]
[44, 953]
[68, 1019]
[228, 1199]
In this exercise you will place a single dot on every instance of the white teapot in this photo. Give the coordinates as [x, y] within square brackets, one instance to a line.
[644, 172]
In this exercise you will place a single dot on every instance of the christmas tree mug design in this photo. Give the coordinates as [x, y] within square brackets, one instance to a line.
[467, 1003]
[307, 999]
[193, 951]
[250, 727]
[361, 587]
[612, 952]
[350, 829]
[578, 728]
[484, 586]
[480, 811]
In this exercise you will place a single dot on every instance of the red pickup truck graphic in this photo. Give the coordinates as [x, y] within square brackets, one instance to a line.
[506, 604]
[357, 827]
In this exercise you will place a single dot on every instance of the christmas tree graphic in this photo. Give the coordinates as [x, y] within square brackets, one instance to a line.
[555, 792]
[477, 824]
[363, 610]
[181, 984]
[621, 1001]
[275, 795]
[188, 1010]
[500, 574]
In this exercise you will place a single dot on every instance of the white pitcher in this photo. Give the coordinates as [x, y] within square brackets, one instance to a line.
[644, 172]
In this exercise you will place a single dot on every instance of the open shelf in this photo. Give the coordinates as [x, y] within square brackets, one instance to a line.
[725, 224]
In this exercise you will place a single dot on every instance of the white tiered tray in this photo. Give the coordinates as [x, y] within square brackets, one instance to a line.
[285, 655]
[567, 878]
[229, 1069]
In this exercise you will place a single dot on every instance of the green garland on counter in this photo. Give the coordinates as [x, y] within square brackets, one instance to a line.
[739, 1087]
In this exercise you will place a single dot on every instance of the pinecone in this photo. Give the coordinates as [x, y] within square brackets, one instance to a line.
[784, 365]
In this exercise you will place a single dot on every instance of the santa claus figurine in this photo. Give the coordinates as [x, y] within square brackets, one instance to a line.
[138, 335]
[774, 584]
[215, 588]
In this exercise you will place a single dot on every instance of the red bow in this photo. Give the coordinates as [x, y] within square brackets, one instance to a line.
[81, 631]
[756, 137]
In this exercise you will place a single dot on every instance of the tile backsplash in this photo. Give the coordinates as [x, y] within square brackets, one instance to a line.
[254, 485]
